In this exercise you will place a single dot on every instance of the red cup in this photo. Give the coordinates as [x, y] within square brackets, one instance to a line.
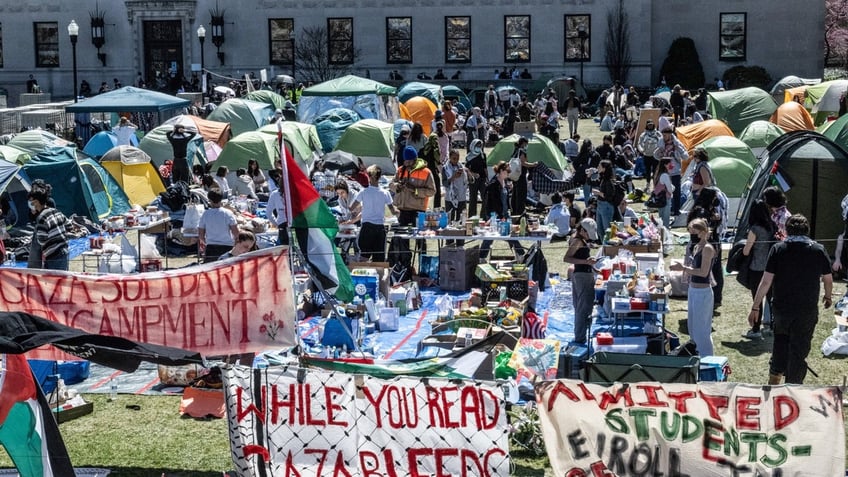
[622, 267]
[605, 273]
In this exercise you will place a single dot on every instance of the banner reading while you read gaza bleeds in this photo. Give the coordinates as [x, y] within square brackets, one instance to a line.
[233, 306]
[709, 429]
[294, 422]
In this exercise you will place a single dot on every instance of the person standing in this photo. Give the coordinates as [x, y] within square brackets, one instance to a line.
[372, 212]
[497, 203]
[677, 103]
[179, 140]
[413, 185]
[432, 157]
[646, 145]
[662, 185]
[605, 192]
[519, 191]
[573, 108]
[794, 270]
[699, 318]
[475, 162]
[702, 174]
[456, 186]
[671, 147]
[50, 236]
[757, 246]
[579, 254]
[276, 212]
[124, 131]
[218, 229]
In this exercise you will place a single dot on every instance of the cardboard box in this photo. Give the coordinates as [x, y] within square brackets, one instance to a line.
[487, 273]
[456, 267]
[477, 335]
[524, 128]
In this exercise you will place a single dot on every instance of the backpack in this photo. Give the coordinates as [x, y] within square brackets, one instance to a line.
[175, 196]
[619, 192]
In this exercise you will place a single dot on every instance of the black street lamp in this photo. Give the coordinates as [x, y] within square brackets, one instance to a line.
[201, 36]
[73, 32]
[583, 36]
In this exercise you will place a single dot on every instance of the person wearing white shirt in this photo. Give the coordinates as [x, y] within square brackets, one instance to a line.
[217, 230]
[275, 211]
[373, 201]
[221, 180]
[559, 216]
[124, 131]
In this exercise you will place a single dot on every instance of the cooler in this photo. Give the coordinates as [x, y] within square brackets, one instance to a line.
[365, 282]
[607, 368]
[714, 368]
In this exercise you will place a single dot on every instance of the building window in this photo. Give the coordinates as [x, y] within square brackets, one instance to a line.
[281, 41]
[46, 44]
[340, 41]
[578, 34]
[517, 38]
[457, 39]
[399, 40]
[732, 43]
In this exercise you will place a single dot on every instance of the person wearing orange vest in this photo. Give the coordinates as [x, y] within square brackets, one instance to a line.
[413, 185]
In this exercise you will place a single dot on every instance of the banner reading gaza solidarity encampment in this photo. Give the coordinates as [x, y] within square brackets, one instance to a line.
[710, 429]
[296, 422]
[234, 306]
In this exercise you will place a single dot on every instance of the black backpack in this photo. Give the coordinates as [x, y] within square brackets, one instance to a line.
[176, 196]
[619, 192]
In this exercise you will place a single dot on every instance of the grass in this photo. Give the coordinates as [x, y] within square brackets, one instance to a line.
[156, 440]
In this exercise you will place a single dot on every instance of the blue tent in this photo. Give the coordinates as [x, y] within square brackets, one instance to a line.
[101, 142]
[14, 185]
[433, 92]
[80, 186]
[332, 124]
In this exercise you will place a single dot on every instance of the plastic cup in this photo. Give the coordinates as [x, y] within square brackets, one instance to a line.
[627, 221]
[605, 273]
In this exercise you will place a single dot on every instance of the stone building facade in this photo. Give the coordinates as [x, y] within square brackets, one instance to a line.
[376, 37]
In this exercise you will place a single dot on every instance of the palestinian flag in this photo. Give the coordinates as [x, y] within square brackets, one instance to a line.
[28, 431]
[315, 227]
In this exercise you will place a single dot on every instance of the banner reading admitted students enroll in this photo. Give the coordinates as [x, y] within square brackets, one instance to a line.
[235, 306]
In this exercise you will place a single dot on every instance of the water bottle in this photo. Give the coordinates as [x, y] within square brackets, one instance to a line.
[12, 258]
[113, 390]
[467, 339]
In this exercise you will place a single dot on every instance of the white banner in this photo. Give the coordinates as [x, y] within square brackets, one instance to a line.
[317, 423]
[709, 429]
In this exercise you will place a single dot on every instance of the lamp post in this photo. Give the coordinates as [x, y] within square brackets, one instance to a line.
[201, 37]
[73, 33]
[582, 35]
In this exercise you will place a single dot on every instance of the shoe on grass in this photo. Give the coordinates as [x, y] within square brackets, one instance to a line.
[753, 335]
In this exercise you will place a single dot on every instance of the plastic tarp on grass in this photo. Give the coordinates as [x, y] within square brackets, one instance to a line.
[778, 91]
[759, 134]
[101, 142]
[37, 140]
[433, 92]
[422, 111]
[372, 141]
[242, 114]
[458, 97]
[215, 131]
[300, 138]
[539, 149]
[812, 170]
[368, 98]
[792, 116]
[823, 99]
[155, 144]
[14, 182]
[80, 186]
[837, 131]
[132, 169]
[740, 107]
[332, 124]
[129, 98]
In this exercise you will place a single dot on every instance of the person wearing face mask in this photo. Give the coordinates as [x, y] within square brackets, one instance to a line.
[50, 242]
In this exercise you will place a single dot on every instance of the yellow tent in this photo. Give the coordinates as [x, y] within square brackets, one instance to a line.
[134, 172]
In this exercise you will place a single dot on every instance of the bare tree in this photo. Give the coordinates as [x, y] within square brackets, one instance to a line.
[312, 56]
[617, 47]
[836, 33]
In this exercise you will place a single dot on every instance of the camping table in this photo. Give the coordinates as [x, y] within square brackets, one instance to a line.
[620, 314]
[160, 226]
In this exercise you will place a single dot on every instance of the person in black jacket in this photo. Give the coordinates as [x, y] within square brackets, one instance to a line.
[497, 202]
[475, 162]
[179, 140]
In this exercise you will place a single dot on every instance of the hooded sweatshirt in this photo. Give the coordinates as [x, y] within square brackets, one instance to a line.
[413, 186]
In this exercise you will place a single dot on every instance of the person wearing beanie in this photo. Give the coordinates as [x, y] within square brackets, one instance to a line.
[413, 186]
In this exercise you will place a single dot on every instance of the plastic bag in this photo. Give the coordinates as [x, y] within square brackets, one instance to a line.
[836, 343]
[147, 245]
[191, 220]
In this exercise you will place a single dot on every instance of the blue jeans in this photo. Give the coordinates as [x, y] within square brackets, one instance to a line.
[665, 213]
[58, 261]
[604, 216]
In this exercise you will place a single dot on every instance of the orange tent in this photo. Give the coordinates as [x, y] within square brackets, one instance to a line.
[421, 110]
[792, 116]
[697, 133]
[215, 131]
[790, 93]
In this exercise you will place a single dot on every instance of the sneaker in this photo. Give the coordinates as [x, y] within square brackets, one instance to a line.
[767, 331]
[753, 335]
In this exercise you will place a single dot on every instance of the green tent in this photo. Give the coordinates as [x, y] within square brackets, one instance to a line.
[836, 131]
[539, 149]
[80, 186]
[433, 92]
[37, 140]
[759, 134]
[251, 145]
[457, 95]
[155, 144]
[368, 98]
[302, 139]
[823, 99]
[267, 97]
[740, 107]
[14, 155]
[371, 140]
[243, 115]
